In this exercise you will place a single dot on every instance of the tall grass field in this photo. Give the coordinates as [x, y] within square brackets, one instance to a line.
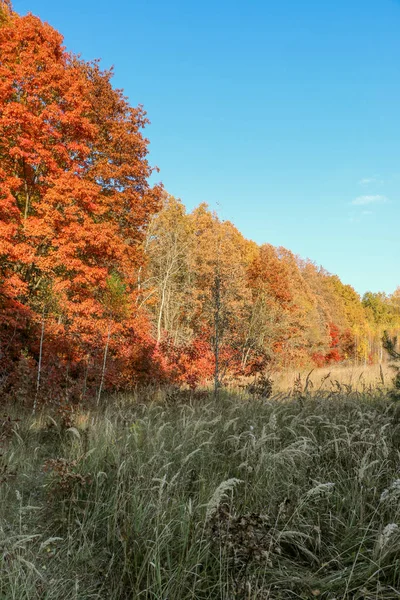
[165, 497]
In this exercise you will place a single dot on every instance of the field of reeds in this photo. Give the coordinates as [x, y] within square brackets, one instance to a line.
[178, 496]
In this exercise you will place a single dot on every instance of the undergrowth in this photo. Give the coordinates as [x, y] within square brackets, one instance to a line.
[197, 499]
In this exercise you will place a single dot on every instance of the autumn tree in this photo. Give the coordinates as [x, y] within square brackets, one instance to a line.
[220, 259]
[167, 286]
[272, 304]
[308, 329]
[74, 194]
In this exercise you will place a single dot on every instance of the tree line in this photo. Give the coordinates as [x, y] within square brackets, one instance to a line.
[106, 281]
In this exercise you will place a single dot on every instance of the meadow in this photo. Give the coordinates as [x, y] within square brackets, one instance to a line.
[169, 495]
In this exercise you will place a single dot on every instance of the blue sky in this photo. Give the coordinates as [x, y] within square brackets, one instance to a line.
[283, 115]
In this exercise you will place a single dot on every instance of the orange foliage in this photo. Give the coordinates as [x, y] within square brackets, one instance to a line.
[74, 196]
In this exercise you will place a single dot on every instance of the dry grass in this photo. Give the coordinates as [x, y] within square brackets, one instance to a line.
[357, 378]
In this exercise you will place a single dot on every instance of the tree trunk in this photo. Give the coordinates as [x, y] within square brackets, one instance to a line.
[160, 314]
[39, 365]
[217, 298]
[104, 363]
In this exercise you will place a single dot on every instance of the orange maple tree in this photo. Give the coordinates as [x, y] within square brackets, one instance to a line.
[74, 194]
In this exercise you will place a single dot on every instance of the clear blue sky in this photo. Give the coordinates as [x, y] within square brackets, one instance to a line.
[286, 113]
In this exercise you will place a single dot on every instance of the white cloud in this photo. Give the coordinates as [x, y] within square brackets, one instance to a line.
[363, 200]
[371, 180]
[367, 180]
